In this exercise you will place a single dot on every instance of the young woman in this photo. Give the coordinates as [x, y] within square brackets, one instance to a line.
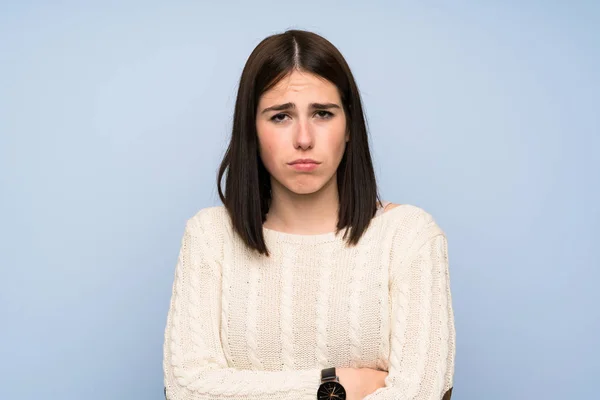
[304, 284]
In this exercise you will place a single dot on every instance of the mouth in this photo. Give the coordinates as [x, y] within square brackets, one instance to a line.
[304, 165]
[304, 161]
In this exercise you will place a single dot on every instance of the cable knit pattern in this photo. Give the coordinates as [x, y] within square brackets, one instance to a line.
[287, 334]
[322, 307]
[252, 319]
[244, 326]
[355, 309]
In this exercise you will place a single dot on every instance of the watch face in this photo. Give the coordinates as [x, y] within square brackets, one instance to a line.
[331, 391]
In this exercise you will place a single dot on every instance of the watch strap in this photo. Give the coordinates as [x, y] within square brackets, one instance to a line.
[328, 374]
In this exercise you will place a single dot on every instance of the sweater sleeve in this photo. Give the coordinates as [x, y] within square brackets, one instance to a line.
[422, 345]
[194, 364]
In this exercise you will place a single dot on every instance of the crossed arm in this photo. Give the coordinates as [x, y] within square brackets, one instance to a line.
[422, 347]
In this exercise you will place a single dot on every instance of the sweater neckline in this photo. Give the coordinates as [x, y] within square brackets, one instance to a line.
[278, 236]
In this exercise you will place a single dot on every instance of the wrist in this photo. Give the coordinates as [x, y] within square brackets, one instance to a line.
[331, 385]
[346, 375]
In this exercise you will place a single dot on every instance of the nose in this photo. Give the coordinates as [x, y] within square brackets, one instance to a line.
[303, 138]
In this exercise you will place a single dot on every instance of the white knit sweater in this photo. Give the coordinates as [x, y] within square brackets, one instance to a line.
[245, 326]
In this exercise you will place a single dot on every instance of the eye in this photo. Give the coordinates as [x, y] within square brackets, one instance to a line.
[275, 118]
[279, 118]
[324, 114]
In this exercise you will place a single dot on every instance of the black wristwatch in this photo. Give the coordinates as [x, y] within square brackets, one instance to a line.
[330, 388]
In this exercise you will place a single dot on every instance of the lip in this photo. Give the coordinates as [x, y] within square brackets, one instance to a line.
[304, 161]
[304, 164]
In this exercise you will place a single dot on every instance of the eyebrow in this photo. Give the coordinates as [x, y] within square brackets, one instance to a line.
[288, 106]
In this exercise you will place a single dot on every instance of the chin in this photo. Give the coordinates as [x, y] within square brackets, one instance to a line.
[305, 189]
[304, 185]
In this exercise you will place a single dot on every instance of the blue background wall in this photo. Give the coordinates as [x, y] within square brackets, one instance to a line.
[114, 116]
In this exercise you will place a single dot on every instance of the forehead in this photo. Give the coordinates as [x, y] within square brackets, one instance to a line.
[299, 83]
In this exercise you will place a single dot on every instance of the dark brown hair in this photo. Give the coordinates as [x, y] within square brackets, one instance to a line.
[247, 194]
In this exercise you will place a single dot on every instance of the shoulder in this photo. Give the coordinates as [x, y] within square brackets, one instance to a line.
[209, 225]
[411, 226]
[411, 230]
[208, 218]
[409, 216]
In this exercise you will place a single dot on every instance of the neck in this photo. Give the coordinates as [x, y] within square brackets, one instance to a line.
[304, 214]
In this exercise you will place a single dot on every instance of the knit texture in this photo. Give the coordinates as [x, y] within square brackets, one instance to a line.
[244, 326]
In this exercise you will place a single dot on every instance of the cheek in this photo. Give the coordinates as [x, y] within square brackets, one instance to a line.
[337, 143]
[266, 155]
[268, 149]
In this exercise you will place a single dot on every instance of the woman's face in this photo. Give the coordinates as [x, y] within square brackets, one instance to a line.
[309, 123]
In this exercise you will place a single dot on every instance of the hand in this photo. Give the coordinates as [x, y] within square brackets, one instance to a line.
[360, 382]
